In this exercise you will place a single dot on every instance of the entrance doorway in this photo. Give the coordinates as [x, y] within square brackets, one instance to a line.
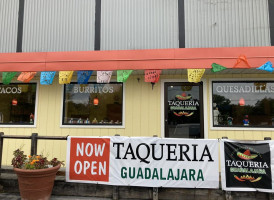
[183, 103]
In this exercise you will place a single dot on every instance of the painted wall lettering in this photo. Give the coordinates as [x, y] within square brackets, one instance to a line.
[10, 90]
[92, 89]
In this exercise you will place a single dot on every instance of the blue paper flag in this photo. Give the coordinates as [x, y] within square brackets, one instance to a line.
[46, 78]
[83, 76]
[267, 67]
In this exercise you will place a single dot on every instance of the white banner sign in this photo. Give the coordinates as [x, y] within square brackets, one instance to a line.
[143, 161]
[247, 165]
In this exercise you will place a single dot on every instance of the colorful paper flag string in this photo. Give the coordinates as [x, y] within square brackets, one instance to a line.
[65, 77]
[217, 67]
[104, 76]
[123, 75]
[26, 76]
[266, 67]
[195, 75]
[241, 62]
[152, 76]
[46, 78]
[83, 76]
[7, 77]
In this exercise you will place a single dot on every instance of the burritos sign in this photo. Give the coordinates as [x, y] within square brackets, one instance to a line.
[143, 161]
[247, 165]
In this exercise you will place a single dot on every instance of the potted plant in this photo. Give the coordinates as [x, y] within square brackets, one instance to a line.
[35, 174]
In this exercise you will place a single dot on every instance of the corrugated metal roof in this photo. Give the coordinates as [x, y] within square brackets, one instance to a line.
[8, 24]
[69, 25]
[142, 24]
[63, 25]
[226, 23]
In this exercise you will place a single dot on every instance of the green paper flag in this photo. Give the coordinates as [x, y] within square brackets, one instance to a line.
[217, 67]
[122, 75]
[7, 77]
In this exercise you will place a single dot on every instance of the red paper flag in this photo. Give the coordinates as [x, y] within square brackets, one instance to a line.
[152, 76]
[242, 62]
[26, 76]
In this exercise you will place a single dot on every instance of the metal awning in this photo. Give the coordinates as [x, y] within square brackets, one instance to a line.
[172, 59]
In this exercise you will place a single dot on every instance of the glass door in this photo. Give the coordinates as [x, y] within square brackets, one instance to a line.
[184, 110]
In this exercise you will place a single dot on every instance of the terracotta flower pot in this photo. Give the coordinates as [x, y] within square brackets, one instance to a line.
[36, 184]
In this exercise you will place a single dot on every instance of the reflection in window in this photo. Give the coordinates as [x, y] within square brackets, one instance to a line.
[93, 104]
[243, 104]
[17, 104]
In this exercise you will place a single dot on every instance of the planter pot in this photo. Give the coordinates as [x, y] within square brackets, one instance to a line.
[36, 184]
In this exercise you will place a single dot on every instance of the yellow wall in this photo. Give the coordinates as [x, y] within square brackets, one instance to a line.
[142, 117]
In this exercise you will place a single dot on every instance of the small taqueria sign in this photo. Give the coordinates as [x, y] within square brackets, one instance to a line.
[247, 165]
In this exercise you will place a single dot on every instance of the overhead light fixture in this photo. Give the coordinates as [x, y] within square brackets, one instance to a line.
[241, 102]
[95, 101]
[14, 102]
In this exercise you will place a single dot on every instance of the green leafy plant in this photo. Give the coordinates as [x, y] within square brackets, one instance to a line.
[22, 161]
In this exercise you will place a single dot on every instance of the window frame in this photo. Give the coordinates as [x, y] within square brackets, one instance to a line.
[211, 102]
[90, 125]
[34, 125]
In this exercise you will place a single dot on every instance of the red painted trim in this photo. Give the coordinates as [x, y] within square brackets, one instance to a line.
[182, 58]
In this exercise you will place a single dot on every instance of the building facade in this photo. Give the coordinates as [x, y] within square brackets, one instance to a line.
[171, 35]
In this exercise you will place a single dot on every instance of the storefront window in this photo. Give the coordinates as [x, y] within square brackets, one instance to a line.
[17, 104]
[93, 104]
[243, 104]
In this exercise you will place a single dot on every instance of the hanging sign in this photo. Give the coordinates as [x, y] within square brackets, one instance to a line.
[104, 76]
[195, 75]
[152, 76]
[65, 77]
[46, 78]
[123, 75]
[241, 62]
[247, 165]
[26, 76]
[83, 76]
[7, 77]
[143, 161]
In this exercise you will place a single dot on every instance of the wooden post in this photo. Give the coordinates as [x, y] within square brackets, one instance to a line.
[115, 191]
[270, 195]
[33, 148]
[1, 153]
[155, 189]
[228, 195]
[1, 147]
[155, 193]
